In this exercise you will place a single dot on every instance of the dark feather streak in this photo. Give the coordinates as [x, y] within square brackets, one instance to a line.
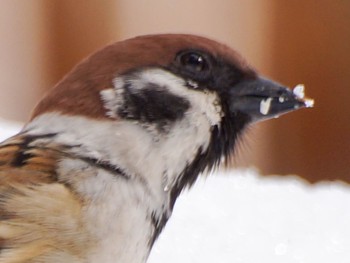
[152, 104]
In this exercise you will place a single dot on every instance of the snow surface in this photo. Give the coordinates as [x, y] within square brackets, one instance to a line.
[242, 217]
[8, 128]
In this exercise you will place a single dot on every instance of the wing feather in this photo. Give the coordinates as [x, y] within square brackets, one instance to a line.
[35, 207]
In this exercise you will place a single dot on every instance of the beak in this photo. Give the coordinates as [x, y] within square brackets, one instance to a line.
[263, 99]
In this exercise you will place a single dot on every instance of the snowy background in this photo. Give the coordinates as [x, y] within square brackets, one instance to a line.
[242, 217]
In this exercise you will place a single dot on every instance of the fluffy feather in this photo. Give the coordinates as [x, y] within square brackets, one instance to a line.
[93, 177]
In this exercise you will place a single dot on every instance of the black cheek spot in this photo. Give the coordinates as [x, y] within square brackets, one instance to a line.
[153, 104]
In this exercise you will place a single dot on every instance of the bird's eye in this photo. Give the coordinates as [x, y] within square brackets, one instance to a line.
[194, 62]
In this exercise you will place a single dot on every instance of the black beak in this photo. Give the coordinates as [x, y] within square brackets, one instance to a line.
[263, 99]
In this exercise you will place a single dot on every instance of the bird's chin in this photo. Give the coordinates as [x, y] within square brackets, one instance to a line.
[261, 99]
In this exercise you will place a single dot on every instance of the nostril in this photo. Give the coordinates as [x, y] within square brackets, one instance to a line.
[281, 92]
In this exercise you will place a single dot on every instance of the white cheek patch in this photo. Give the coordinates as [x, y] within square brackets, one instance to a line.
[204, 102]
[110, 102]
[179, 145]
[113, 98]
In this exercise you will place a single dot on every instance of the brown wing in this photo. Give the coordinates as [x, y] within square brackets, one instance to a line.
[21, 163]
[39, 217]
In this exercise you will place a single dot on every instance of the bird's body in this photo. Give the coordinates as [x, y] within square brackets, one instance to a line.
[93, 177]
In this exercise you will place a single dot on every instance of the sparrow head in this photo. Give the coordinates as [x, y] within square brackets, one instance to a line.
[202, 64]
[192, 95]
[113, 144]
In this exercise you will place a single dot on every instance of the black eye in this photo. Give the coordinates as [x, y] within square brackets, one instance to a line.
[193, 62]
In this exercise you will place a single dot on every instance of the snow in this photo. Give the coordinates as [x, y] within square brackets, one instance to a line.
[265, 106]
[243, 217]
[299, 91]
[8, 128]
[309, 103]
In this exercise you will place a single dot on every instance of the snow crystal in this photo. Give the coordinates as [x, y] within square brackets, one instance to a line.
[299, 91]
[281, 99]
[265, 106]
[309, 103]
